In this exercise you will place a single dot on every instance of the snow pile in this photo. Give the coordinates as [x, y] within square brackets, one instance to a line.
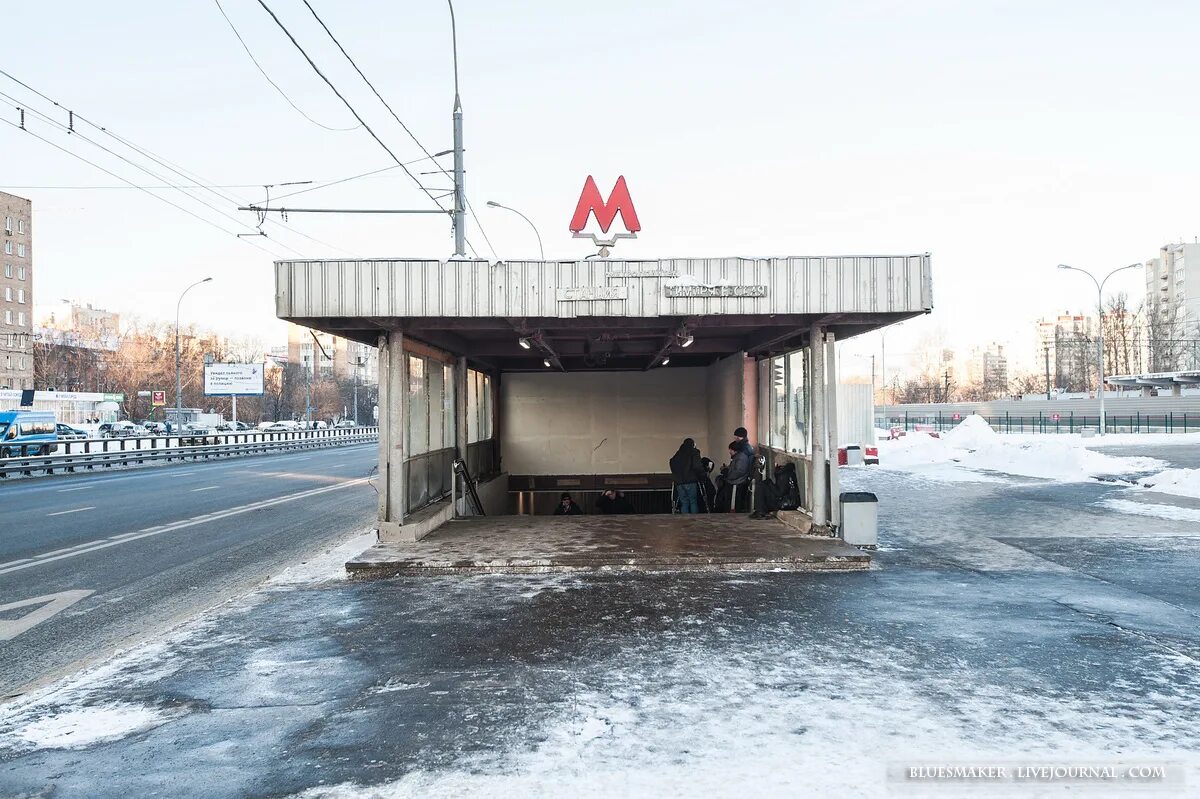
[1180, 482]
[973, 446]
[76, 728]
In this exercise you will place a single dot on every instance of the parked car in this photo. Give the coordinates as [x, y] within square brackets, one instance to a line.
[344, 423]
[122, 429]
[281, 427]
[157, 428]
[68, 433]
[27, 433]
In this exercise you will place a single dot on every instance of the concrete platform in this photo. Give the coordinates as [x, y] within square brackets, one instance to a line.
[518, 544]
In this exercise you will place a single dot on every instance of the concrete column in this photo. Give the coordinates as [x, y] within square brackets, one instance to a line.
[818, 502]
[831, 426]
[460, 420]
[808, 388]
[1176, 390]
[393, 390]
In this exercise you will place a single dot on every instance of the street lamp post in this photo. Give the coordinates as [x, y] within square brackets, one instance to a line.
[1100, 338]
[541, 252]
[179, 351]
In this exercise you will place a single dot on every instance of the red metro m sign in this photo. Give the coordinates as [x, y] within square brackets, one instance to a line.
[592, 204]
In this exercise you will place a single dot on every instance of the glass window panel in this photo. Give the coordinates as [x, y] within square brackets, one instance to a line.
[448, 431]
[472, 406]
[418, 407]
[779, 402]
[437, 418]
[797, 373]
[485, 406]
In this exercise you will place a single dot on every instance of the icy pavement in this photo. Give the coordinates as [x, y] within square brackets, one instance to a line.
[1011, 618]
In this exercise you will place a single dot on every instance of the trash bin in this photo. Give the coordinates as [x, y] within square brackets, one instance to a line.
[860, 519]
[854, 455]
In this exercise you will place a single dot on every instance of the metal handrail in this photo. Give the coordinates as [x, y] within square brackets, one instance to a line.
[48, 464]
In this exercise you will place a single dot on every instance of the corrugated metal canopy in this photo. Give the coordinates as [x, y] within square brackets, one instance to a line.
[604, 314]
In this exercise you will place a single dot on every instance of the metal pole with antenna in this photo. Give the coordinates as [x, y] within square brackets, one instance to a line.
[460, 217]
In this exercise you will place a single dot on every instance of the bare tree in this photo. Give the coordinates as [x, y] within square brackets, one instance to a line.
[1122, 336]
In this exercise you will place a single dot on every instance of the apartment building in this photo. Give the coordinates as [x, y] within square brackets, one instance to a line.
[16, 293]
[326, 356]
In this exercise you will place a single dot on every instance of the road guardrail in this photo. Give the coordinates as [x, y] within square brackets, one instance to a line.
[91, 453]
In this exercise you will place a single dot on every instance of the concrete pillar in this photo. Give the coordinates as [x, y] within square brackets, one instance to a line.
[1176, 390]
[831, 427]
[460, 420]
[818, 503]
[393, 390]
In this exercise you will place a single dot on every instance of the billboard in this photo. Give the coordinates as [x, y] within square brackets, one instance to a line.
[158, 399]
[223, 379]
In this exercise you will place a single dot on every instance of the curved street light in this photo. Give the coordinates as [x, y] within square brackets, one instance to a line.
[541, 252]
[1100, 310]
[178, 351]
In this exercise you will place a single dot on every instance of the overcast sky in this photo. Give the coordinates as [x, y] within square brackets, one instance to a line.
[1002, 137]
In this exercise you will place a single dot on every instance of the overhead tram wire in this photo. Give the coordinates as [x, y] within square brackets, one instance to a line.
[110, 173]
[399, 121]
[51, 121]
[282, 93]
[346, 102]
[209, 186]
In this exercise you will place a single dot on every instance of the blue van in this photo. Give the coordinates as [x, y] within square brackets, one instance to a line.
[27, 433]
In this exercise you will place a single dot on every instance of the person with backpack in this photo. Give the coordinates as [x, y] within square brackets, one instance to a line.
[686, 471]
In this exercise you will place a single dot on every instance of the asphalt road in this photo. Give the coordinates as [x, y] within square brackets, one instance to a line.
[89, 564]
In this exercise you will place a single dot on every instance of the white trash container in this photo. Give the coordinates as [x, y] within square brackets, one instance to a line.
[860, 519]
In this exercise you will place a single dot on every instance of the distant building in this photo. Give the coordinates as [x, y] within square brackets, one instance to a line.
[74, 325]
[1173, 307]
[16, 283]
[326, 356]
[1063, 342]
[995, 368]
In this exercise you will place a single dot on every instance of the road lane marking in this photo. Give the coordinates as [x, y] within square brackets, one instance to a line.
[52, 605]
[76, 488]
[103, 543]
[72, 510]
[168, 470]
[206, 488]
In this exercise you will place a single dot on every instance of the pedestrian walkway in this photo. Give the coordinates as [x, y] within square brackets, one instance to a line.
[518, 544]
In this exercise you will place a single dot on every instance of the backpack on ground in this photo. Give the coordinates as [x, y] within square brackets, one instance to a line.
[788, 486]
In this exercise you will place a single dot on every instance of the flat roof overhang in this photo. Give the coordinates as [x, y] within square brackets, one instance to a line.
[605, 314]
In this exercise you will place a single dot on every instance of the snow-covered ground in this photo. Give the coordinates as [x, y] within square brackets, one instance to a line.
[972, 447]
[973, 452]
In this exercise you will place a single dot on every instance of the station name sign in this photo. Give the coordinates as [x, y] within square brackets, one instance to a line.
[715, 291]
[589, 293]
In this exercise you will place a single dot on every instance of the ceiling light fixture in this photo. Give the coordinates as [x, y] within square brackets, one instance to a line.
[666, 360]
[546, 362]
[524, 342]
[686, 340]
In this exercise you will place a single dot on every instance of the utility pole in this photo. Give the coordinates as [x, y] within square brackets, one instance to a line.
[1046, 351]
[946, 390]
[460, 197]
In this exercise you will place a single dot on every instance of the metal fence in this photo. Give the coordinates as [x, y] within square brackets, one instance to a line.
[1051, 423]
[125, 452]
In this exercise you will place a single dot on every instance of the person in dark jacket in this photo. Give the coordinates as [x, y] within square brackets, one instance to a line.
[738, 475]
[742, 439]
[613, 501]
[686, 471]
[567, 506]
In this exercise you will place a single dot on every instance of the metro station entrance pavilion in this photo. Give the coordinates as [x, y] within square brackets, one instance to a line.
[577, 376]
